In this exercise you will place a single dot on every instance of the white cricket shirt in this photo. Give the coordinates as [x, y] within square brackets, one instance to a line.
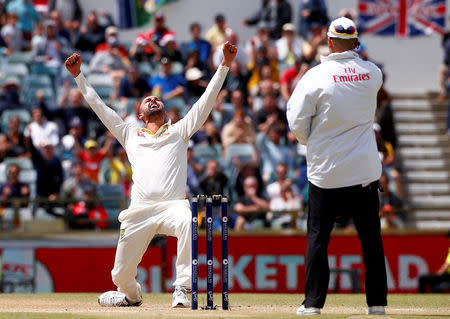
[159, 161]
[332, 111]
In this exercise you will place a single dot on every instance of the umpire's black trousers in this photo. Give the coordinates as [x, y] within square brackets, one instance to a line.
[360, 203]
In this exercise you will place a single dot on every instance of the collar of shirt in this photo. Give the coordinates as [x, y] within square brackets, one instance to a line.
[339, 56]
[160, 131]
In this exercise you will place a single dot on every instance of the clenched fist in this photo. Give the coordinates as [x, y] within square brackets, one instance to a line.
[229, 53]
[73, 64]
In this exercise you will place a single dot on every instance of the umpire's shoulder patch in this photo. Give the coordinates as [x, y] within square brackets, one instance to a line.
[122, 233]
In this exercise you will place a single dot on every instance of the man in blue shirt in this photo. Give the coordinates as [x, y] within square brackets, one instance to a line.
[198, 44]
[166, 84]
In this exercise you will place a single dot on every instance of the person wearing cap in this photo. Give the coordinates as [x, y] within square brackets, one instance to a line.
[289, 46]
[158, 156]
[112, 37]
[149, 42]
[92, 156]
[53, 49]
[195, 84]
[331, 111]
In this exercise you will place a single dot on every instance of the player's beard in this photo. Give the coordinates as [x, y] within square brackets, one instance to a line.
[154, 113]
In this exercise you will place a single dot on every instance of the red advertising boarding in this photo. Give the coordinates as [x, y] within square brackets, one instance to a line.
[272, 264]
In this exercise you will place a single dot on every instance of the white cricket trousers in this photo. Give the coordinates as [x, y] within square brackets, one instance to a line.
[139, 224]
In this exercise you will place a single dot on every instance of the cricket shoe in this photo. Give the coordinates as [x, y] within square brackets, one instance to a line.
[116, 299]
[310, 311]
[376, 310]
[179, 297]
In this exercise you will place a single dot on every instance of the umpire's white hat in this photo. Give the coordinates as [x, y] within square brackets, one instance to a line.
[342, 28]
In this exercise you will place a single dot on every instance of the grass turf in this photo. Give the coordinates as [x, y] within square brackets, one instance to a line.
[38, 306]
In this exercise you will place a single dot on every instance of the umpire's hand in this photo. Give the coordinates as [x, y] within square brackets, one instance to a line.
[73, 64]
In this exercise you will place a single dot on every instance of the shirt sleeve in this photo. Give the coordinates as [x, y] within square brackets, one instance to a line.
[108, 116]
[200, 111]
[301, 107]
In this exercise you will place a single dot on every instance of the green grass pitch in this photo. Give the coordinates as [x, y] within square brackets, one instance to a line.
[38, 306]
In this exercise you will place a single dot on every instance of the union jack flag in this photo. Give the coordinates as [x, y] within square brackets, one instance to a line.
[402, 18]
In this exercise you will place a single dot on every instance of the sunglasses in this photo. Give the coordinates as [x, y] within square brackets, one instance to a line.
[340, 29]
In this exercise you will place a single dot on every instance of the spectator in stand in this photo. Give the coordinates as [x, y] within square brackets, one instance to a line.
[76, 132]
[89, 213]
[53, 50]
[235, 79]
[266, 87]
[61, 30]
[261, 39]
[270, 115]
[169, 48]
[112, 37]
[166, 84]
[311, 12]
[28, 16]
[390, 206]
[291, 76]
[194, 170]
[133, 118]
[215, 182]
[110, 61]
[274, 189]
[149, 42]
[238, 130]
[262, 67]
[316, 44]
[216, 34]
[195, 85]
[12, 35]
[10, 95]
[90, 36]
[49, 176]
[208, 133]
[174, 115]
[92, 156]
[242, 57]
[196, 44]
[387, 156]
[13, 188]
[275, 13]
[41, 131]
[121, 171]
[384, 116]
[71, 12]
[289, 46]
[237, 100]
[73, 188]
[251, 207]
[72, 106]
[440, 277]
[133, 85]
[13, 143]
[282, 207]
[246, 170]
[273, 152]
[193, 61]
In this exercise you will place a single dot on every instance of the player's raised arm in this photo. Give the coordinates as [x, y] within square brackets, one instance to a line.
[199, 112]
[107, 115]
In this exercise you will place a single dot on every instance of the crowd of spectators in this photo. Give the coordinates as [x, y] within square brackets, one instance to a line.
[244, 150]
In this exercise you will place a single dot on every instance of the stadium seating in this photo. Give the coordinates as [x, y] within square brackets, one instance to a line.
[113, 199]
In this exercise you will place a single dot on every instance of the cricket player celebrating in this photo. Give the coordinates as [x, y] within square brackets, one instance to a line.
[158, 156]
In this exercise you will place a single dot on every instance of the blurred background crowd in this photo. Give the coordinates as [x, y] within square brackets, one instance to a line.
[58, 159]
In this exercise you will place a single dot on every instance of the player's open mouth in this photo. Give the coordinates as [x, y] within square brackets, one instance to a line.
[153, 106]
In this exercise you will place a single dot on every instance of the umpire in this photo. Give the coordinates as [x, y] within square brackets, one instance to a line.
[331, 111]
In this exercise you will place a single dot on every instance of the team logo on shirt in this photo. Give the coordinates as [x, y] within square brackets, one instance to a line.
[139, 133]
[122, 233]
[351, 76]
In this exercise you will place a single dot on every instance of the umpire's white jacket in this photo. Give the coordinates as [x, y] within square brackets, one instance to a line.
[332, 111]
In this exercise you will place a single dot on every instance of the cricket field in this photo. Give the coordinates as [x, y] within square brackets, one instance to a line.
[272, 306]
